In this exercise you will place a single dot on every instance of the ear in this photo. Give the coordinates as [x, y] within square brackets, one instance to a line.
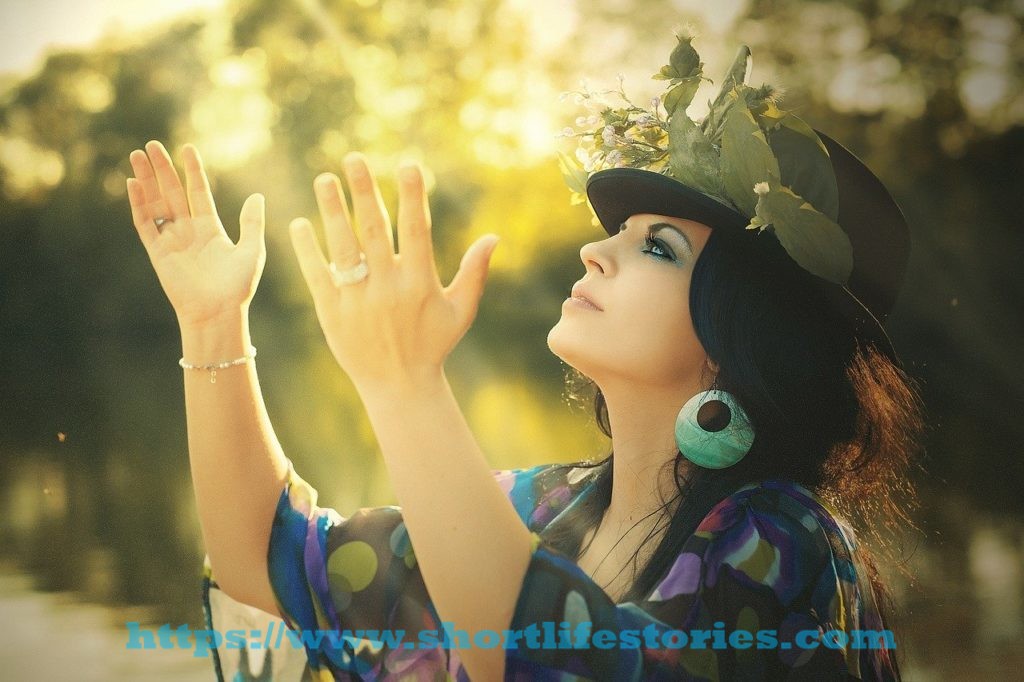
[712, 365]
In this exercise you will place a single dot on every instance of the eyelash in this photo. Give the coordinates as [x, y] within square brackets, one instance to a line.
[656, 243]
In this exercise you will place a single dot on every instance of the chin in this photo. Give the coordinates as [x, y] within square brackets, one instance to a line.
[557, 344]
[567, 349]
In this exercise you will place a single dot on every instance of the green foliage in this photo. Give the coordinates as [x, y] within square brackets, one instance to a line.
[684, 73]
[719, 108]
[746, 157]
[693, 158]
[814, 241]
[574, 176]
[804, 163]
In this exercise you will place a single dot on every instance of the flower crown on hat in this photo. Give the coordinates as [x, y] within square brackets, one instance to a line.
[747, 153]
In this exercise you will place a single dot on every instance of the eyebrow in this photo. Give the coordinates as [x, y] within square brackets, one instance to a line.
[656, 227]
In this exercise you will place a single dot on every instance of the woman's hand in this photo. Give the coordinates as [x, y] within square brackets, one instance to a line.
[203, 273]
[398, 324]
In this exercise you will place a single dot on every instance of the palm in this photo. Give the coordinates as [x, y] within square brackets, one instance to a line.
[200, 269]
[399, 320]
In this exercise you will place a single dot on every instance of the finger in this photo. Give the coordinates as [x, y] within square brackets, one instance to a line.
[200, 198]
[252, 223]
[147, 230]
[170, 183]
[467, 286]
[414, 227]
[311, 260]
[371, 216]
[153, 197]
[342, 244]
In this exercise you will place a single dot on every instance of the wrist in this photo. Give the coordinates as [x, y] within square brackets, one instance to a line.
[409, 385]
[216, 339]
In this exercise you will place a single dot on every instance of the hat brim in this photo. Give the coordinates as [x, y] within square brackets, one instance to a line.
[616, 194]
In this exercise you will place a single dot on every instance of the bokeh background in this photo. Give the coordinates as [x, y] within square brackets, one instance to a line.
[97, 518]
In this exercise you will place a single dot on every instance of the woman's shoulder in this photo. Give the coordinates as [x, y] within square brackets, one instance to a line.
[773, 534]
[779, 503]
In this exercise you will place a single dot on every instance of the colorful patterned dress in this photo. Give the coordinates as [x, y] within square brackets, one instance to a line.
[770, 557]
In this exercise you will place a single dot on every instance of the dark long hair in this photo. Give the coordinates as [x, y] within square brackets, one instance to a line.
[829, 411]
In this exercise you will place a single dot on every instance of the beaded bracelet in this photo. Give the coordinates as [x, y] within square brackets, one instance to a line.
[214, 366]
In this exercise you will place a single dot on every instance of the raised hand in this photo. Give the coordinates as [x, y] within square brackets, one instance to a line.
[398, 324]
[203, 272]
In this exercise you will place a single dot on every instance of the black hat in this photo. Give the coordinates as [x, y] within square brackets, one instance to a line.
[867, 213]
[751, 165]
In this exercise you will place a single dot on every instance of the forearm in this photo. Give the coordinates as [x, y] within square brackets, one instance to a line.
[471, 546]
[238, 467]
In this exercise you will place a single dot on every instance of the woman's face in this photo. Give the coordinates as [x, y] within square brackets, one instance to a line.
[640, 280]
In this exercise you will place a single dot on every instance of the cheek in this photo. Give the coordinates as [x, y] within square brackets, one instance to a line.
[666, 324]
[659, 329]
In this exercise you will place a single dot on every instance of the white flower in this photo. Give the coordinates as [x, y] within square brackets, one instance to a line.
[614, 157]
[655, 101]
[593, 119]
[585, 159]
[761, 188]
[567, 132]
[608, 135]
[581, 121]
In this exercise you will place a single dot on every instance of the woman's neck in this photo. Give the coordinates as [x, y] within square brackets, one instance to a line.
[644, 447]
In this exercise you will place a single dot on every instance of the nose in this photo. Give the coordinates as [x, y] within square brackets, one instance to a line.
[591, 255]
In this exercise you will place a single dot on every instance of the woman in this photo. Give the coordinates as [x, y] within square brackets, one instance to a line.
[743, 376]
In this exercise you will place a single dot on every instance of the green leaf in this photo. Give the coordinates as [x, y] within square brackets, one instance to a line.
[804, 164]
[713, 122]
[746, 157]
[678, 98]
[574, 175]
[692, 158]
[811, 238]
[736, 75]
[664, 75]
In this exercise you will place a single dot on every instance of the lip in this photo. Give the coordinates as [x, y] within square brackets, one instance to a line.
[579, 293]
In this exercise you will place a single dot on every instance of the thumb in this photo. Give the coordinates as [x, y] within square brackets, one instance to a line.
[252, 222]
[467, 287]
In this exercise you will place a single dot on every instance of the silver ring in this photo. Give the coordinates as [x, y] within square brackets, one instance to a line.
[159, 222]
[352, 275]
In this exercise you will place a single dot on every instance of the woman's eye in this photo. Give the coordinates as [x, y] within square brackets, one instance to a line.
[657, 244]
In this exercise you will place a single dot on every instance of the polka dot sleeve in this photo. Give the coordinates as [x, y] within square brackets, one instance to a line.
[359, 574]
[760, 561]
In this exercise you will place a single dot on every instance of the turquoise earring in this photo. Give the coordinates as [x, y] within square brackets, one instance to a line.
[713, 431]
